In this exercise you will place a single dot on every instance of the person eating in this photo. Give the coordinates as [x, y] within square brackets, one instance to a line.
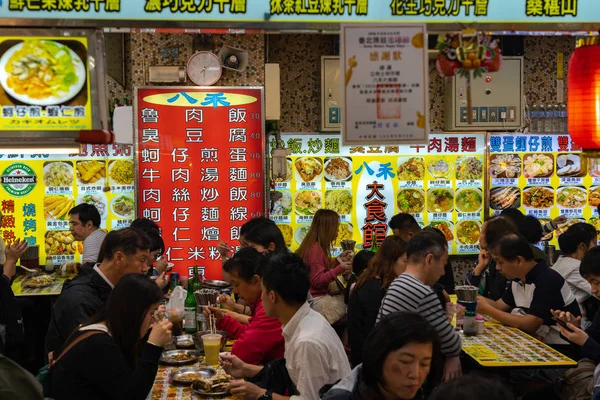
[84, 224]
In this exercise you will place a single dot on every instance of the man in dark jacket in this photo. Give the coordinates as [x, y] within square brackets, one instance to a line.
[11, 321]
[124, 251]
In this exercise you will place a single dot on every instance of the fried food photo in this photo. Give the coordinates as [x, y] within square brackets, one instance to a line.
[89, 172]
[58, 243]
[309, 168]
[57, 206]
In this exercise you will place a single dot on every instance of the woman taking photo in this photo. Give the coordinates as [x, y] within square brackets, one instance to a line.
[260, 341]
[315, 251]
[399, 357]
[107, 358]
[389, 262]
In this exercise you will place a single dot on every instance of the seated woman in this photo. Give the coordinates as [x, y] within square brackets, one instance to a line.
[107, 358]
[261, 340]
[365, 301]
[399, 356]
[360, 262]
[315, 250]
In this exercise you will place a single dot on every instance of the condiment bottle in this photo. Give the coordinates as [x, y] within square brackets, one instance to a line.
[479, 321]
[469, 324]
[49, 267]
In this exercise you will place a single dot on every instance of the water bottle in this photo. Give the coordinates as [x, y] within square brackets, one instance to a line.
[534, 118]
[564, 126]
[548, 119]
[556, 118]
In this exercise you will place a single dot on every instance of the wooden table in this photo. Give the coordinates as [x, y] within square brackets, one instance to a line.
[504, 346]
[53, 290]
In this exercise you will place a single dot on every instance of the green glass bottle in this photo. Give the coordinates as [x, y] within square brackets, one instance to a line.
[190, 309]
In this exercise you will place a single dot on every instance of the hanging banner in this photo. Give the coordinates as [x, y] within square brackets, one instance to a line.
[370, 11]
[440, 183]
[39, 191]
[200, 154]
[385, 90]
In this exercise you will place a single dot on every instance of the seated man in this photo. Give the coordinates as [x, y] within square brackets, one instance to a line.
[125, 251]
[533, 293]
[314, 355]
[427, 253]
[84, 224]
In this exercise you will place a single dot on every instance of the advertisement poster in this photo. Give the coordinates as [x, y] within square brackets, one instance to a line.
[39, 190]
[544, 175]
[440, 183]
[200, 168]
[44, 84]
[385, 83]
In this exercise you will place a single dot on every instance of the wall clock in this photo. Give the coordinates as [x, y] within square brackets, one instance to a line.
[204, 68]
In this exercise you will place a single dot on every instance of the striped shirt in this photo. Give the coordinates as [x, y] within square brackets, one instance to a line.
[407, 293]
[92, 245]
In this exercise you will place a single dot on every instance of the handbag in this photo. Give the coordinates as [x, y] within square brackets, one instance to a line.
[44, 375]
[275, 377]
[577, 383]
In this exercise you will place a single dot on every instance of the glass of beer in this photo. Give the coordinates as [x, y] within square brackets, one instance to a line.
[175, 315]
[212, 348]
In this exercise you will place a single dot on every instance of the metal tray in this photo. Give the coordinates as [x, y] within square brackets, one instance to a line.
[208, 394]
[196, 357]
[205, 372]
[184, 342]
[217, 284]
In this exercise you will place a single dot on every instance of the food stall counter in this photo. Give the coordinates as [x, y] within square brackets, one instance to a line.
[39, 285]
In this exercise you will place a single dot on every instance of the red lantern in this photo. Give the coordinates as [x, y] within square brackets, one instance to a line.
[584, 96]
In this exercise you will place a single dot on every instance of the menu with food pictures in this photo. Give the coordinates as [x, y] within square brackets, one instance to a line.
[200, 164]
[544, 175]
[440, 183]
[41, 189]
[44, 83]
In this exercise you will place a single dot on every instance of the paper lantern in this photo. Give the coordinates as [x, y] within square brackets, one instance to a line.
[584, 95]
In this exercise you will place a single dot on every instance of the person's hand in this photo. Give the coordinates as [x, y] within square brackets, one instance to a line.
[233, 365]
[483, 260]
[246, 390]
[452, 368]
[159, 314]
[347, 255]
[162, 280]
[16, 250]
[226, 301]
[223, 249]
[161, 333]
[161, 266]
[561, 219]
[574, 334]
[567, 318]
[218, 313]
[483, 307]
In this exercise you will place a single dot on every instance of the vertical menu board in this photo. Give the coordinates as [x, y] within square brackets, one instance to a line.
[39, 191]
[545, 176]
[200, 171]
[439, 183]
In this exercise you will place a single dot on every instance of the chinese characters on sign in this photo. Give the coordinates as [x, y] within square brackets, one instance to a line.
[201, 168]
[440, 183]
[385, 86]
[550, 8]
[319, 7]
[442, 8]
[110, 6]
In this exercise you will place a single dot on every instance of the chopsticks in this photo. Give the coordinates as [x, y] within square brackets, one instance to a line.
[212, 322]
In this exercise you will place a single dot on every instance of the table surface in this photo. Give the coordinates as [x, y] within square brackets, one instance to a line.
[19, 287]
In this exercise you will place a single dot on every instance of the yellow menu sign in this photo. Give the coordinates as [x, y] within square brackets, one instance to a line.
[44, 84]
[39, 190]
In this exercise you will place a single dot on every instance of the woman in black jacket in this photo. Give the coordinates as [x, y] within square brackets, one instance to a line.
[113, 361]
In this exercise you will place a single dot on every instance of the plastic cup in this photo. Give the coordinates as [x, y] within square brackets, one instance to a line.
[212, 348]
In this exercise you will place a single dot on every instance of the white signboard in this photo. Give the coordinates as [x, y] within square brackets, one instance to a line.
[385, 83]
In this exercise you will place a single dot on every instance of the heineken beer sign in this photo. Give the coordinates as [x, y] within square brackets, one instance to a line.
[18, 179]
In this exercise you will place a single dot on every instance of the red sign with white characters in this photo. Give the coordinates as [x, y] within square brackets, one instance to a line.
[200, 168]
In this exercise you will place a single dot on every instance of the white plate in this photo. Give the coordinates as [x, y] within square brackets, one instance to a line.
[332, 179]
[526, 190]
[299, 234]
[52, 100]
[298, 177]
[458, 225]
[110, 167]
[459, 191]
[112, 206]
[102, 196]
[47, 167]
[99, 182]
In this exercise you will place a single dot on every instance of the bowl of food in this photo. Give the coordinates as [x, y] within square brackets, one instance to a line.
[410, 200]
[338, 169]
[538, 197]
[187, 376]
[198, 339]
[411, 169]
[216, 385]
[467, 232]
[179, 357]
[440, 200]
[468, 200]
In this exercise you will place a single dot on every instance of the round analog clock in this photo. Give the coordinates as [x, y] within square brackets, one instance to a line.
[204, 68]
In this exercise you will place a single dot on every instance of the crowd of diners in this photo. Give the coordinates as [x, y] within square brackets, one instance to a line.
[300, 334]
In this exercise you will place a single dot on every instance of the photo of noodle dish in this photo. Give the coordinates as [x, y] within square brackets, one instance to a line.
[468, 200]
[538, 165]
[467, 232]
[538, 197]
[58, 173]
[339, 201]
[469, 168]
[505, 165]
[307, 202]
[410, 200]
[440, 200]
[338, 169]
[411, 169]
[571, 197]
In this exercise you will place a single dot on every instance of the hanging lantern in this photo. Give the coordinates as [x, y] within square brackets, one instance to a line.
[584, 94]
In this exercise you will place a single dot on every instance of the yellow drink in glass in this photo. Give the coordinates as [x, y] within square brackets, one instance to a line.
[212, 348]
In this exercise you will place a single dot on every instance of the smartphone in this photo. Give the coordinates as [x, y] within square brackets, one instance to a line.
[560, 322]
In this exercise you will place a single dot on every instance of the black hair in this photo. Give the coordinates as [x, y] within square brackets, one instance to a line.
[127, 240]
[472, 387]
[248, 226]
[145, 225]
[496, 228]
[395, 331]
[404, 222]
[264, 232]
[436, 231]
[359, 264]
[424, 243]
[512, 246]
[86, 212]
[156, 241]
[514, 214]
[590, 265]
[125, 311]
[531, 229]
[577, 234]
[287, 275]
[246, 263]
[589, 228]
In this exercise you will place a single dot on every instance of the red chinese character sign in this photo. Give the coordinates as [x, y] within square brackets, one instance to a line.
[200, 168]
